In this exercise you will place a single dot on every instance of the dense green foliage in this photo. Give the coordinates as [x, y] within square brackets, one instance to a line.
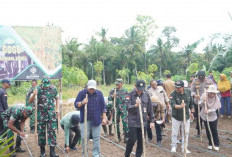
[130, 57]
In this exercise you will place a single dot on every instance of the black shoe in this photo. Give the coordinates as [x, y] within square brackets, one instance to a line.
[52, 152]
[19, 150]
[42, 151]
[11, 150]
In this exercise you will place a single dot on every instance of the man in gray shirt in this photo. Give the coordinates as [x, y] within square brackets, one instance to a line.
[70, 123]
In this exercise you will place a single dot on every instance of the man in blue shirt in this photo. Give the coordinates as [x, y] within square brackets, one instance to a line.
[95, 109]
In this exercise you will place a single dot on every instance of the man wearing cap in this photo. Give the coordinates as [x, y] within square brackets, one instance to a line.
[3, 101]
[120, 107]
[138, 96]
[29, 93]
[96, 109]
[14, 118]
[70, 123]
[180, 98]
[47, 103]
[199, 84]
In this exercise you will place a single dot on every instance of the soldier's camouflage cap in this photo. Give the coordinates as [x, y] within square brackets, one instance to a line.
[29, 110]
[46, 81]
[118, 81]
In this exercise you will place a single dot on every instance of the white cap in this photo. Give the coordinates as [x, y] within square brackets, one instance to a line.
[92, 84]
[185, 84]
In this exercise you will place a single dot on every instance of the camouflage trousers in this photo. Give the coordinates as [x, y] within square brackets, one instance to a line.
[122, 112]
[51, 126]
[32, 117]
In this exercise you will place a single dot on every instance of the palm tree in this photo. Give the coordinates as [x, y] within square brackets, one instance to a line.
[71, 49]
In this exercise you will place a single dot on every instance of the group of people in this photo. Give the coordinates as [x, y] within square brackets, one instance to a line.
[160, 103]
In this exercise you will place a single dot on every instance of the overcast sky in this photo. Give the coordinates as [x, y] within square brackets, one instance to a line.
[193, 19]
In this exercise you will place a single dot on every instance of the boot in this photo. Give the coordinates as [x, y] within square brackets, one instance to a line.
[42, 151]
[11, 150]
[119, 138]
[110, 130]
[126, 138]
[18, 144]
[52, 152]
[32, 130]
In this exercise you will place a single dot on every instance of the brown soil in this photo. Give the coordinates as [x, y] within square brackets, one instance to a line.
[110, 150]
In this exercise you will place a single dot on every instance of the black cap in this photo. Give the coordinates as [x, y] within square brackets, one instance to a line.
[201, 73]
[179, 84]
[169, 75]
[159, 82]
[140, 84]
[7, 81]
[75, 120]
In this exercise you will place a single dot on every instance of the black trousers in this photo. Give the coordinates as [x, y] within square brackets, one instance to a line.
[196, 116]
[73, 140]
[135, 134]
[149, 131]
[213, 127]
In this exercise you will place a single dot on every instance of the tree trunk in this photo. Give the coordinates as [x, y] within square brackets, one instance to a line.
[104, 76]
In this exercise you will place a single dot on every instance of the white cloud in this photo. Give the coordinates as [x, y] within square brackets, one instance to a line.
[82, 18]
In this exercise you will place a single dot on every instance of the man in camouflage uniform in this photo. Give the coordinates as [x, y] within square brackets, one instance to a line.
[109, 114]
[32, 117]
[14, 118]
[120, 107]
[200, 83]
[47, 104]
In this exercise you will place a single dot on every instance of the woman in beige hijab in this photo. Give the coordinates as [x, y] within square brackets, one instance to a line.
[213, 104]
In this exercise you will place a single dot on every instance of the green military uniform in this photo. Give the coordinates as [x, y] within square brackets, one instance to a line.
[46, 113]
[15, 113]
[32, 117]
[121, 109]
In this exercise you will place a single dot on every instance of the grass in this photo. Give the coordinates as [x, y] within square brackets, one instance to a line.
[18, 94]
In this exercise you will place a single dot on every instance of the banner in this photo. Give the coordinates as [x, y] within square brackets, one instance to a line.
[28, 53]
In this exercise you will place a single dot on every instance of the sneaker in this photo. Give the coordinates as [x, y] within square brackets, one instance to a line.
[187, 151]
[210, 147]
[229, 116]
[91, 140]
[159, 143]
[173, 149]
[72, 148]
[221, 116]
[216, 148]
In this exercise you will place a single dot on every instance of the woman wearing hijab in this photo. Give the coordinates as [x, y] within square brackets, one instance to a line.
[213, 104]
[224, 87]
